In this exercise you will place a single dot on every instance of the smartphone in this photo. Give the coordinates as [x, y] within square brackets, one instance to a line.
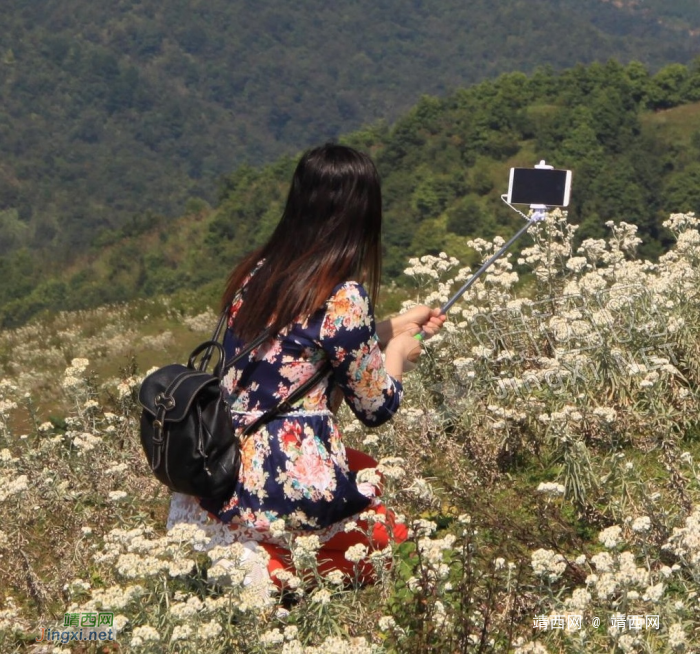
[550, 187]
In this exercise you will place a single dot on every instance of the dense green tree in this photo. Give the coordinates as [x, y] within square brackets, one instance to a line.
[466, 218]
[431, 195]
[691, 90]
[429, 238]
[618, 194]
[614, 119]
[582, 142]
[682, 192]
[667, 87]
[481, 180]
[13, 231]
[639, 87]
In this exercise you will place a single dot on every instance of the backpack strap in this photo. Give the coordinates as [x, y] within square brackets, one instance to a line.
[286, 405]
[216, 344]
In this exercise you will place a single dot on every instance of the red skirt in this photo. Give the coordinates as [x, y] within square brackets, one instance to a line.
[332, 555]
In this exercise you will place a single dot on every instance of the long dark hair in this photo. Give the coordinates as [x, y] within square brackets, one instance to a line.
[330, 232]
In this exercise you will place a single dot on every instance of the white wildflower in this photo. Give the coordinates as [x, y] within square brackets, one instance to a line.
[356, 553]
[278, 527]
[481, 352]
[145, 633]
[654, 593]
[602, 561]
[610, 537]
[579, 600]
[607, 414]
[641, 524]
[272, 637]
[336, 577]
[391, 467]
[181, 632]
[551, 488]
[423, 527]
[676, 637]
[548, 564]
[209, 630]
[386, 623]
[322, 596]
[368, 476]
[577, 264]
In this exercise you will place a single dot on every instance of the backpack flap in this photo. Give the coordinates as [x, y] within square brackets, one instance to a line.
[170, 391]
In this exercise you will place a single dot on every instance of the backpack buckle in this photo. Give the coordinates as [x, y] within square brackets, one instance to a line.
[165, 401]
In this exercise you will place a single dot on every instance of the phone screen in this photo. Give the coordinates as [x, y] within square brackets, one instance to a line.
[550, 187]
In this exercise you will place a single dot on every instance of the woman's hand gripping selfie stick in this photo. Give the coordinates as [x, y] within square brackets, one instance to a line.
[539, 213]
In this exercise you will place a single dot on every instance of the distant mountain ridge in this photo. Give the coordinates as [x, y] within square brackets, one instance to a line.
[111, 110]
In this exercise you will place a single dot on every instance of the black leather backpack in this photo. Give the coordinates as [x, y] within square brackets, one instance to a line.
[186, 427]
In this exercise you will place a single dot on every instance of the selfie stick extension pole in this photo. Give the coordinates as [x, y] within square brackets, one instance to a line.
[538, 215]
[448, 305]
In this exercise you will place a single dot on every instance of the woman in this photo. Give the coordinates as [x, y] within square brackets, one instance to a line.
[307, 285]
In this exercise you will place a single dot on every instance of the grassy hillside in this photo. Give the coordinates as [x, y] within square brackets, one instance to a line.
[678, 126]
[110, 110]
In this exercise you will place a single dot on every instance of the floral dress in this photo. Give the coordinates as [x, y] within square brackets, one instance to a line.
[295, 467]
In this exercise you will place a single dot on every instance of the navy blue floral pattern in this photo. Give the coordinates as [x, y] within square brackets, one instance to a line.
[295, 468]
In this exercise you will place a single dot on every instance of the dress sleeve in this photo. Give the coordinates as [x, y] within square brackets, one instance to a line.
[349, 339]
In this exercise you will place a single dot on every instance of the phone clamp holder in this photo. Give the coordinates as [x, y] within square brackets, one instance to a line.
[539, 211]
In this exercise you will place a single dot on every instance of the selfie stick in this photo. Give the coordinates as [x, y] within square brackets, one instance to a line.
[539, 213]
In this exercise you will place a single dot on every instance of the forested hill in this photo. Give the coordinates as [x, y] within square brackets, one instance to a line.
[632, 140]
[111, 109]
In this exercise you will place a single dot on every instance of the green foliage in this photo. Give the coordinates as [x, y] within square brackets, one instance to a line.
[682, 193]
[113, 110]
[444, 166]
[667, 87]
[466, 218]
[13, 231]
